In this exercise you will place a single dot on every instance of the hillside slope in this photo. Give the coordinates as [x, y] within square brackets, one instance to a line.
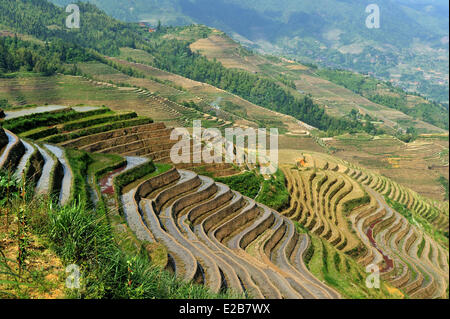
[411, 47]
[135, 80]
[331, 88]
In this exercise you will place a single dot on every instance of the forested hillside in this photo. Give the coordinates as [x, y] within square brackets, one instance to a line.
[46, 21]
[49, 58]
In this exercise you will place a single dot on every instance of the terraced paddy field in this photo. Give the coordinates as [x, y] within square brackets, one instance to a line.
[374, 220]
[205, 232]
[99, 130]
[228, 52]
[206, 228]
[417, 165]
[337, 99]
[152, 92]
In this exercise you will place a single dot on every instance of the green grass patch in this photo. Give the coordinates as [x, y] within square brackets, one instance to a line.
[274, 192]
[341, 272]
[247, 183]
[84, 237]
[59, 138]
[79, 161]
[40, 132]
[76, 125]
[350, 205]
[421, 247]
[271, 192]
[24, 123]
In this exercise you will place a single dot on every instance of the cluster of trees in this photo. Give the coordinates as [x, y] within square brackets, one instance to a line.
[193, 105]
[4, 103]
[19, 55]
[367, 120]
[435, 91]
[176, 56]
[289, 83]
[409, 136]
[356, 83]
[46, 21]
[395, 102]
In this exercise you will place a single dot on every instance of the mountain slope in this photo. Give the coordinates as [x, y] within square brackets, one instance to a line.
[272, 87]
[369, 95]
[410, 48]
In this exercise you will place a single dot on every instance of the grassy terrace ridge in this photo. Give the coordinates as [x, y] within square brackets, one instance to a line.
[22, 124]
[95, 129]
[414, 219]
[89, 121]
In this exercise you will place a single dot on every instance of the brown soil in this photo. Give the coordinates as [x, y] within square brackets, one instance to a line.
[51, 281]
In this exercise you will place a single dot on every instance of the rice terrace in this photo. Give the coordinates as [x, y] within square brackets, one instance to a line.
[94, 206]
